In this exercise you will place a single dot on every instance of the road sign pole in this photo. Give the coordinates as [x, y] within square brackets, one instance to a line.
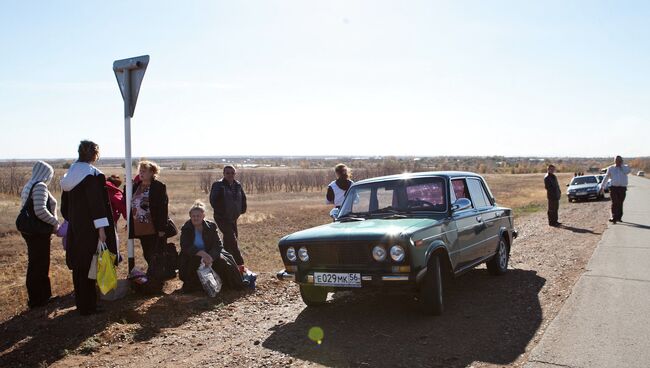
[129, 74]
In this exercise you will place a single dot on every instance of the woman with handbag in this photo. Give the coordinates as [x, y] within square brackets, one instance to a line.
[86, 207]
[200, 243]
[36, 222]
[149, 215]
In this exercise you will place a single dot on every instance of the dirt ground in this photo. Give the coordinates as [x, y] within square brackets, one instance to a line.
[488, 321]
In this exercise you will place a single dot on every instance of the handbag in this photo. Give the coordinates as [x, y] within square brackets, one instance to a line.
[28, 223]
[209, 279]
[170, 228]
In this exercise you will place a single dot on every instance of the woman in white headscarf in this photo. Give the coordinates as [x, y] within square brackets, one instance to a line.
[39, 288]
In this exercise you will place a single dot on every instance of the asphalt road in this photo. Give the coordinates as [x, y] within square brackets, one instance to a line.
[606, 320]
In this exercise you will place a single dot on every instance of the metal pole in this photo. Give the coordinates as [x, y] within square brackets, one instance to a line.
[128, 165]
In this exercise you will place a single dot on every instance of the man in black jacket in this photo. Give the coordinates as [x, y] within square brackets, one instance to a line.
[553, 193]
[228, 200]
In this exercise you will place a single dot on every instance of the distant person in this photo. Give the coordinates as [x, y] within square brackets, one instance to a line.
[337, 189]
[200, 243]
[86, 207]
[228, 200]
[617, 191]
[36, 194]
[149, 212]
[116, 196]
[553, 194]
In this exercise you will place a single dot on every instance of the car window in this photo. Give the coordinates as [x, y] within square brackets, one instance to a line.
[427, 192]
[584, 180]
[479, 198]
[460, 189]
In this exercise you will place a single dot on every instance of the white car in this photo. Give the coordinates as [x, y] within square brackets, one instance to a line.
[640, 173]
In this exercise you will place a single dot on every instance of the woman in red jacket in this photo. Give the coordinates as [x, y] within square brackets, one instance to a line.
[116, 196]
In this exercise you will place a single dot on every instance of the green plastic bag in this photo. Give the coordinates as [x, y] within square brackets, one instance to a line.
[106, 273]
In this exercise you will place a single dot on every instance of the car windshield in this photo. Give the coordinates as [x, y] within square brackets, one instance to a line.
[600, 178]
[584, 180]
[395, 197]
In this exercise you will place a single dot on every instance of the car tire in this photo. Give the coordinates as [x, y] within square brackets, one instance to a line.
[313, 295]
[430, 298]
[498, 265]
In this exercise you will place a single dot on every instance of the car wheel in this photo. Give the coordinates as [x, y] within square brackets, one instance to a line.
[431, 288]
[498, 265]
[313, 295]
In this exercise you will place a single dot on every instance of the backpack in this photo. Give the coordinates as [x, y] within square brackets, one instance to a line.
[28, 223]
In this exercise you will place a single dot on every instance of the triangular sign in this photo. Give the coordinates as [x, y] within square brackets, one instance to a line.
[129, 74]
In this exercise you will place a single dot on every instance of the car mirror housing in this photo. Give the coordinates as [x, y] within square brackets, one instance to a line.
[461, 204]
[334, 213]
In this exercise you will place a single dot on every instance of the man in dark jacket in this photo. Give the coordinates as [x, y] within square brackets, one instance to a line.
[553, 193]
[228, 200]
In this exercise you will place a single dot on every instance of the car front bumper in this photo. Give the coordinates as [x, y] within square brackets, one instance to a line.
[367, 279]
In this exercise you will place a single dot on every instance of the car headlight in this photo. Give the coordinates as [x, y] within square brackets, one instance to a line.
[303, 255]
[379, 253]
[291, 254]
[397, 253]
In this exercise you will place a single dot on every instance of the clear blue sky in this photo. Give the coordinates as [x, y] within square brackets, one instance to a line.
[548, 78]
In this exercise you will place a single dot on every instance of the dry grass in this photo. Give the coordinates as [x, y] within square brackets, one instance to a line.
[270, 217]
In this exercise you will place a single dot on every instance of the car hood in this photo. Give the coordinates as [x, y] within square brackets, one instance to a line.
[371, 229]
[583, 186]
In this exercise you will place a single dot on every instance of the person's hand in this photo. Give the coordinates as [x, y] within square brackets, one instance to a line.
[55, 228]
[161, 234]
[102, 235]
[207, 260]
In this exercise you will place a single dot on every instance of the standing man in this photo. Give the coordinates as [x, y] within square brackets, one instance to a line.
[618, 173]
[228, 200]
[337, 189]
[553, 193]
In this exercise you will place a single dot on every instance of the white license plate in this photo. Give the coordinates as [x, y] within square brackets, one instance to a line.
[337, 279]
[581, 193]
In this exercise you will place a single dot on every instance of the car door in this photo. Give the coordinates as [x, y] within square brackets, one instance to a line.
[489, 218]
[466, 225]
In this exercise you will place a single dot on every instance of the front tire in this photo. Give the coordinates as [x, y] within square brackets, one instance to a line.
[498, 265]
[313, 295]
[431, 289]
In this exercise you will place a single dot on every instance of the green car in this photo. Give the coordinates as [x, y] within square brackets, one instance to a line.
[406, 231]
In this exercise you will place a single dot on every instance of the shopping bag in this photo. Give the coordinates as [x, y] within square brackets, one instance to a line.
[106, 273]
[210, 280]
[92, 271]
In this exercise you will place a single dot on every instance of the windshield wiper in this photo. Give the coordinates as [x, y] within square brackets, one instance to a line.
[389, 211]
[350, 217]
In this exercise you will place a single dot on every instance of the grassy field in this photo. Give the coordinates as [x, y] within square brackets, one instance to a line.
[270, 216]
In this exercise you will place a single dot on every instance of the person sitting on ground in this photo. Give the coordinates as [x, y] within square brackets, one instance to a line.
[200, 243]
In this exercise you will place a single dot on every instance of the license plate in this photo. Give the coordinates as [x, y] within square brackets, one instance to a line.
[337, 279]
[581, 193]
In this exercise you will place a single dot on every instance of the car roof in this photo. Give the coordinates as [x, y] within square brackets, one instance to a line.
[584, 176]
[426, 174]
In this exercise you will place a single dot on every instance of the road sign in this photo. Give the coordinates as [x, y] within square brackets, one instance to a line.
[129, 74]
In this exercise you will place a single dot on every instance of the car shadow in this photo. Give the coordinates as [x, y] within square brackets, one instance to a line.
[487, 319]
[578, 230]
[45, 335]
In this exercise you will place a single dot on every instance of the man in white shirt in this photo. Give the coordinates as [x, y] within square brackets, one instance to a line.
[618, 173]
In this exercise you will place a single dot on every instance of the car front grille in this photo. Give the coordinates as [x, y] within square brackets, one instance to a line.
[339, 254]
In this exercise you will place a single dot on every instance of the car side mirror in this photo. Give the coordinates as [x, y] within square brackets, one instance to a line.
[461, 204]
[334, 213]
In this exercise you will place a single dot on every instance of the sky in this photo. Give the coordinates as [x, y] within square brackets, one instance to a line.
[333, 78]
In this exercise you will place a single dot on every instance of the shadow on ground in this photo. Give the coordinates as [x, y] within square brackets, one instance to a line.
[488, 319]
[45, 335]
[578, 230]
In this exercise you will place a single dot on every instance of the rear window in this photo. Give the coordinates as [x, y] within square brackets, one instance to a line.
[584, 180]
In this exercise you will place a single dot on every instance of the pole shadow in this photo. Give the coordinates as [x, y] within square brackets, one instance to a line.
[487, 319]
[578, 230]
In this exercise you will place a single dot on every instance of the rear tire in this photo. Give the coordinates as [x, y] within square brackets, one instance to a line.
[313, 295]
[498, 265]
[431, 288]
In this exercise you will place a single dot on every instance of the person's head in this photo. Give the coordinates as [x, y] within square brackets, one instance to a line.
[148, 171]
[197, 213]
[42, 171]
[229, 173]
[618, 160]
[115, 180]
[550, 169]
[88, 152]
[342, 171]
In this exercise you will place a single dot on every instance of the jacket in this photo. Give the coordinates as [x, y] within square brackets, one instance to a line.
[158, 204]
[210, 238]
[118, 201]
[228, 201]
[553, 191]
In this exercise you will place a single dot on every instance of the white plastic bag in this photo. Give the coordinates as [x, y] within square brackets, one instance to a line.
[210, 280]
